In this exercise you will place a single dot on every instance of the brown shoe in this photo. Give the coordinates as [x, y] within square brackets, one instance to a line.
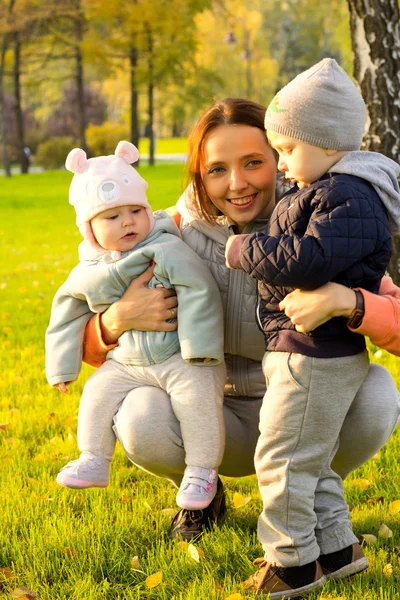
[285, 582]
[343, 563]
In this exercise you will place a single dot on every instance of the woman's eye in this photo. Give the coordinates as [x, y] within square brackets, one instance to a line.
[216, 170]
[126, 179]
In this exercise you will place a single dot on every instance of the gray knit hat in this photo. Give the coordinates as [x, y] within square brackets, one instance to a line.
[321, 106]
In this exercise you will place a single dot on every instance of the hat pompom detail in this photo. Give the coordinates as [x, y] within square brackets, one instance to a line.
[127, 151]
[76, 161]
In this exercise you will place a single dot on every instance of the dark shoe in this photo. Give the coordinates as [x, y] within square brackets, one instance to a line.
[285, 582]
[343, 563]
[191, 524]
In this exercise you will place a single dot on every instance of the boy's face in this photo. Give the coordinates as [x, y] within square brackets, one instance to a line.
[301, 162]
[121, 228]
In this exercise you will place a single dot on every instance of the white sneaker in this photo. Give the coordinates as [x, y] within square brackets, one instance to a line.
[89, 470]
[198, 488]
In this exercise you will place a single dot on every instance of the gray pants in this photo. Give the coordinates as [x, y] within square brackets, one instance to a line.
[196, 398]
[304, 408]
[147, 414]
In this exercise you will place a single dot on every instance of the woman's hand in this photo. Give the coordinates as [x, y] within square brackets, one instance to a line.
[309, 310]
[140, 308]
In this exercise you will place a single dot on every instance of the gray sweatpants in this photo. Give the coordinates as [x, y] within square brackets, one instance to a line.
[196, 396]
[304, 408]
[147, 414]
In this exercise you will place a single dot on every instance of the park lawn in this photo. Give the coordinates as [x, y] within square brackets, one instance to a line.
[62, 543]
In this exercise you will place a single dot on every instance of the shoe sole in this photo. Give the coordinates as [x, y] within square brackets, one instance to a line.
[81, 484]
[299, 591]
[348, 570]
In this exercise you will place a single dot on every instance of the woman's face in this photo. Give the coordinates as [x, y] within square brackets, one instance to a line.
[239, 172]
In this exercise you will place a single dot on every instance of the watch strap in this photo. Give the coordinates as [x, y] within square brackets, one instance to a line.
[355, 319]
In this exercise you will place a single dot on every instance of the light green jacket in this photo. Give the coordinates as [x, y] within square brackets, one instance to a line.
[98, 281]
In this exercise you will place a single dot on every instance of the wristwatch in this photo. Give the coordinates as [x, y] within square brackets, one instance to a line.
[355, 319]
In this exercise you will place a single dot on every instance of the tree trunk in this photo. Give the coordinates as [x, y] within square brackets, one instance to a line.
[133, 58]
[3, 125]
[80, 91]
[19, 119]
[375, 37]
[150, 95]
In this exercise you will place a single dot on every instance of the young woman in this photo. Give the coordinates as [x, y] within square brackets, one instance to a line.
[233, 189]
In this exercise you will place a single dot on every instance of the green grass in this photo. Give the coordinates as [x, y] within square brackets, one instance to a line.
[79, 545]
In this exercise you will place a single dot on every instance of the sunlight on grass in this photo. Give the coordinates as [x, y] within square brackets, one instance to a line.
[63, 544]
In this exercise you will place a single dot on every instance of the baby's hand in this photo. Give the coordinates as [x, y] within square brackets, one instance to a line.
[63, 388]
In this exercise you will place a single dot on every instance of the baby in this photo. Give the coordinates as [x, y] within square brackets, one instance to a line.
[122, 237]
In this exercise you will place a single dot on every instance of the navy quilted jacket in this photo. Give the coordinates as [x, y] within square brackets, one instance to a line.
[334, 230]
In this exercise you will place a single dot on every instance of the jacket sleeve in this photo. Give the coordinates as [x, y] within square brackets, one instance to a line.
[381, 322]
[328, 247]
[64, 337]
[200, 316]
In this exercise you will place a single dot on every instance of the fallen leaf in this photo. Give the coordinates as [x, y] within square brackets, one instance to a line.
[388, 570]
[394, 507]
[147, 505]
[384, 531]
[195, 552]
[378, 354]
[369, 539]
[23, 593]
[6, 573]
[234, 597]
[170, 512]
[239, 500]
[154, 580]
[135, 562]
[69, 551]
[4, 426]
[183, 544]
[361, 483]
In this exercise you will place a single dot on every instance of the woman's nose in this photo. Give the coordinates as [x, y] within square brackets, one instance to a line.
[237, 181]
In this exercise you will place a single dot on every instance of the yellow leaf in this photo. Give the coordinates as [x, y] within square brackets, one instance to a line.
[147, 505]
[361, 483]
[69, 551]
[183, 544]
[154, 580]
[169, 512]
[4, 426]
[23, 593]
[195, 552]
[388, 570]
[234, 597]
[369, 539]
[378, 354]
[384, 531]
[394, 507]
[239, 500]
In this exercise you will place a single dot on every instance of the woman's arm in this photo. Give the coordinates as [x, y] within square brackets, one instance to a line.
[139, 308]
[308, 310]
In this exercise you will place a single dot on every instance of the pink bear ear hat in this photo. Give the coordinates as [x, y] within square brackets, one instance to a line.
[105, 182]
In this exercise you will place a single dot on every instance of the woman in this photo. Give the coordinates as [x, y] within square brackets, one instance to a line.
[233, 190]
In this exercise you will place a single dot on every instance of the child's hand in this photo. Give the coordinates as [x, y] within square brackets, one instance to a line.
[63, 388]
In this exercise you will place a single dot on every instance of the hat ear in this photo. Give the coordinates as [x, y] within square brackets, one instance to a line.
[76, 161]
[127, 151]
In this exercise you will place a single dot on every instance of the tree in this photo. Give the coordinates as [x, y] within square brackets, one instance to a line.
[375, 35]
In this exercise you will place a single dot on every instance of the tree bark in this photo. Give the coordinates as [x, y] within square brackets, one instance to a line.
[375, 37]
[80, 91]
[3, 124]
[150, 96]
[19, 119]
[133, 59]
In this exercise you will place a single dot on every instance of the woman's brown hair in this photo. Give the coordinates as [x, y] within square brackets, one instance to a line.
[230, 111]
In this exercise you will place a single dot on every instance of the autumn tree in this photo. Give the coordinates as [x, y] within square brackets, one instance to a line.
[375, 35]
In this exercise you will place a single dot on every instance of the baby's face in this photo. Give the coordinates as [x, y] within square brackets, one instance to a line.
[301, 162]
[121, 228]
